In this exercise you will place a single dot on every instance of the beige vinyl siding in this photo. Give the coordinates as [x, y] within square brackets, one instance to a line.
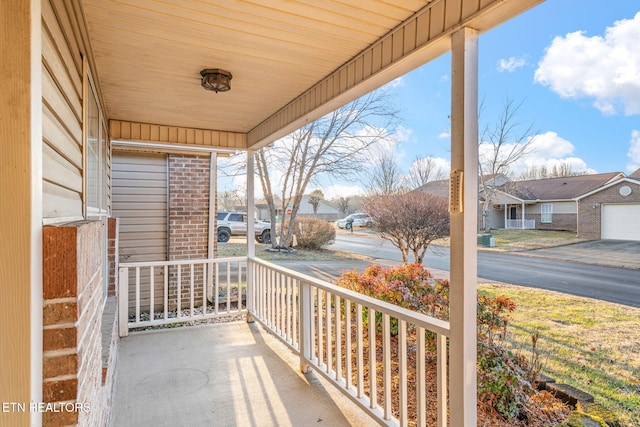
[62, 109]
[139, 188]
[62, 122]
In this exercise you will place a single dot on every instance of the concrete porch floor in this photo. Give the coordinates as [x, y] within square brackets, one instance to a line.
[226, 374]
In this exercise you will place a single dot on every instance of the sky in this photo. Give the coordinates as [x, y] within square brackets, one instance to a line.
[573, 65]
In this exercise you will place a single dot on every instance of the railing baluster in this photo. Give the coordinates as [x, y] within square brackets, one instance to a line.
[347, 349]
[373, 389]
[338, 338]
[283, 310]
[228, 287]
[420, 377]
[152, 285]
[441, 385]
[137, 294]
[179, 289]
[295, 286]
[239, 304]
[402, 353]
[204, 288]
[319, 308]
[216, 290]
[329, 331]
[166, 292]
[386, 360]
[192, 289]
[312, 323]
[359, 351]
[306, 327]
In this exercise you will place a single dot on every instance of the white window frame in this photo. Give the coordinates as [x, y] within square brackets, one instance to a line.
[546, 213]
[95, 198]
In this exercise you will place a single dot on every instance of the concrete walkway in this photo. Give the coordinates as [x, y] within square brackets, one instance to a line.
[227, 374]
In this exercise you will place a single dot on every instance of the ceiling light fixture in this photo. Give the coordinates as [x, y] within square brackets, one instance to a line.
[216, 79]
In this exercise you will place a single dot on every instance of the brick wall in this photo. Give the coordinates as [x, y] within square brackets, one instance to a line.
[590, 208]
[188, 219]
[73, 292]
[559, 222]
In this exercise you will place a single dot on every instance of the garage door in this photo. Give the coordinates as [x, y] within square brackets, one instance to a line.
[621, 222]
[139, 186]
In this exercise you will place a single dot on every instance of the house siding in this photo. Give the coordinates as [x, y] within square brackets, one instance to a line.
[590, 208]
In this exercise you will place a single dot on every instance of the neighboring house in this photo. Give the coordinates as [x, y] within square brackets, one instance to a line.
[597, 206]
[594, 206]
[326, 210]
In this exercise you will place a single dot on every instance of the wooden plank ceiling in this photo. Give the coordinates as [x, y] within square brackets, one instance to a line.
[148, 53]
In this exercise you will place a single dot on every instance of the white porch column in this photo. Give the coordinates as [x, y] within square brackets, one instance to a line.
[522, 219]
[505, 215]
[21, 208]
[251, 241]
[464, 158]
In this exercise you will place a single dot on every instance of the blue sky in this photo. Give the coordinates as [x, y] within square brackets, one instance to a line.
[575, 65]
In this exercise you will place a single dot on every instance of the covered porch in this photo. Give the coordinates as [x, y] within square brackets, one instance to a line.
[83, 77]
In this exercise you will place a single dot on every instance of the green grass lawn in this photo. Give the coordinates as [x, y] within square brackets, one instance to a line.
[589, 344]
[522, 240]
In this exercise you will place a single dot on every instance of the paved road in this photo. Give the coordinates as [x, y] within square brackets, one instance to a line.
[618, 285]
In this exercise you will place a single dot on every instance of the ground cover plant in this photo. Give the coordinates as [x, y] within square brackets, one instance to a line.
[506, 395]
[589, 344]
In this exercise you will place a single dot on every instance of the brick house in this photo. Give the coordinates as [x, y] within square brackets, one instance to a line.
[605, 205]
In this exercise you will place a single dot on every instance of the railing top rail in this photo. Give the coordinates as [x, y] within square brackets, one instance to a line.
[182, 262]
[419, 319]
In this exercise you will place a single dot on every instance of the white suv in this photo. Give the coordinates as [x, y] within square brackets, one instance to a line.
[355, 220]
[235, 224]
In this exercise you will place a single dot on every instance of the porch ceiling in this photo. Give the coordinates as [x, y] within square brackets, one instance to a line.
[147, 55]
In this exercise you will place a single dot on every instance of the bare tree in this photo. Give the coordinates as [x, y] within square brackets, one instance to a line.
[230, 199]
[335, 144]
[425, 169]
[410, 221]
[558, 170]
[501, 145]
[384, 176]
[315, 198]
[343, 204]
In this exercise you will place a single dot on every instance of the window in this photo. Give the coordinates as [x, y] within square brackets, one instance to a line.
[546, 212]
[97, 151]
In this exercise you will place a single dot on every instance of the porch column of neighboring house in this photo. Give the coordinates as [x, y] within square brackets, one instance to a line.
[21, 210]
[505, 216]
[251, 241]
[522, 219]
[464, 160]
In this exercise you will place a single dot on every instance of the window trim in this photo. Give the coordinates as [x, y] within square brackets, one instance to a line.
[546, 213]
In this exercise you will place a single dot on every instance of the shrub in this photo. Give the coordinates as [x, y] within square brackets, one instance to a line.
[312, 233]
[502, 376]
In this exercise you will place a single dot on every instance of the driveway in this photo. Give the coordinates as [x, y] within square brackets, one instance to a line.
[613, 253]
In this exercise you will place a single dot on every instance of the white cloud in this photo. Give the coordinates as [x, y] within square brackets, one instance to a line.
[511, 64]
[397, 82]
[341, 190]
[605, 68]
[547, 149]
[634, 151]
[444, 134]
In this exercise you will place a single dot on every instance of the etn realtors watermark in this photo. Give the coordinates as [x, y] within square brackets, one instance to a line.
[10, 407]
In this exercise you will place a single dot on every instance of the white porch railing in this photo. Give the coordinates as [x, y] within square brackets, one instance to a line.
[327, 325]
[159, 292]
[527, 224]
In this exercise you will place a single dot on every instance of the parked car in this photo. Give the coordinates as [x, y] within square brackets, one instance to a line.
[235, 224]
[355, 220]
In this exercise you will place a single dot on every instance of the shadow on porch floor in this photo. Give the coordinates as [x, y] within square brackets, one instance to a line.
[229, 374]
